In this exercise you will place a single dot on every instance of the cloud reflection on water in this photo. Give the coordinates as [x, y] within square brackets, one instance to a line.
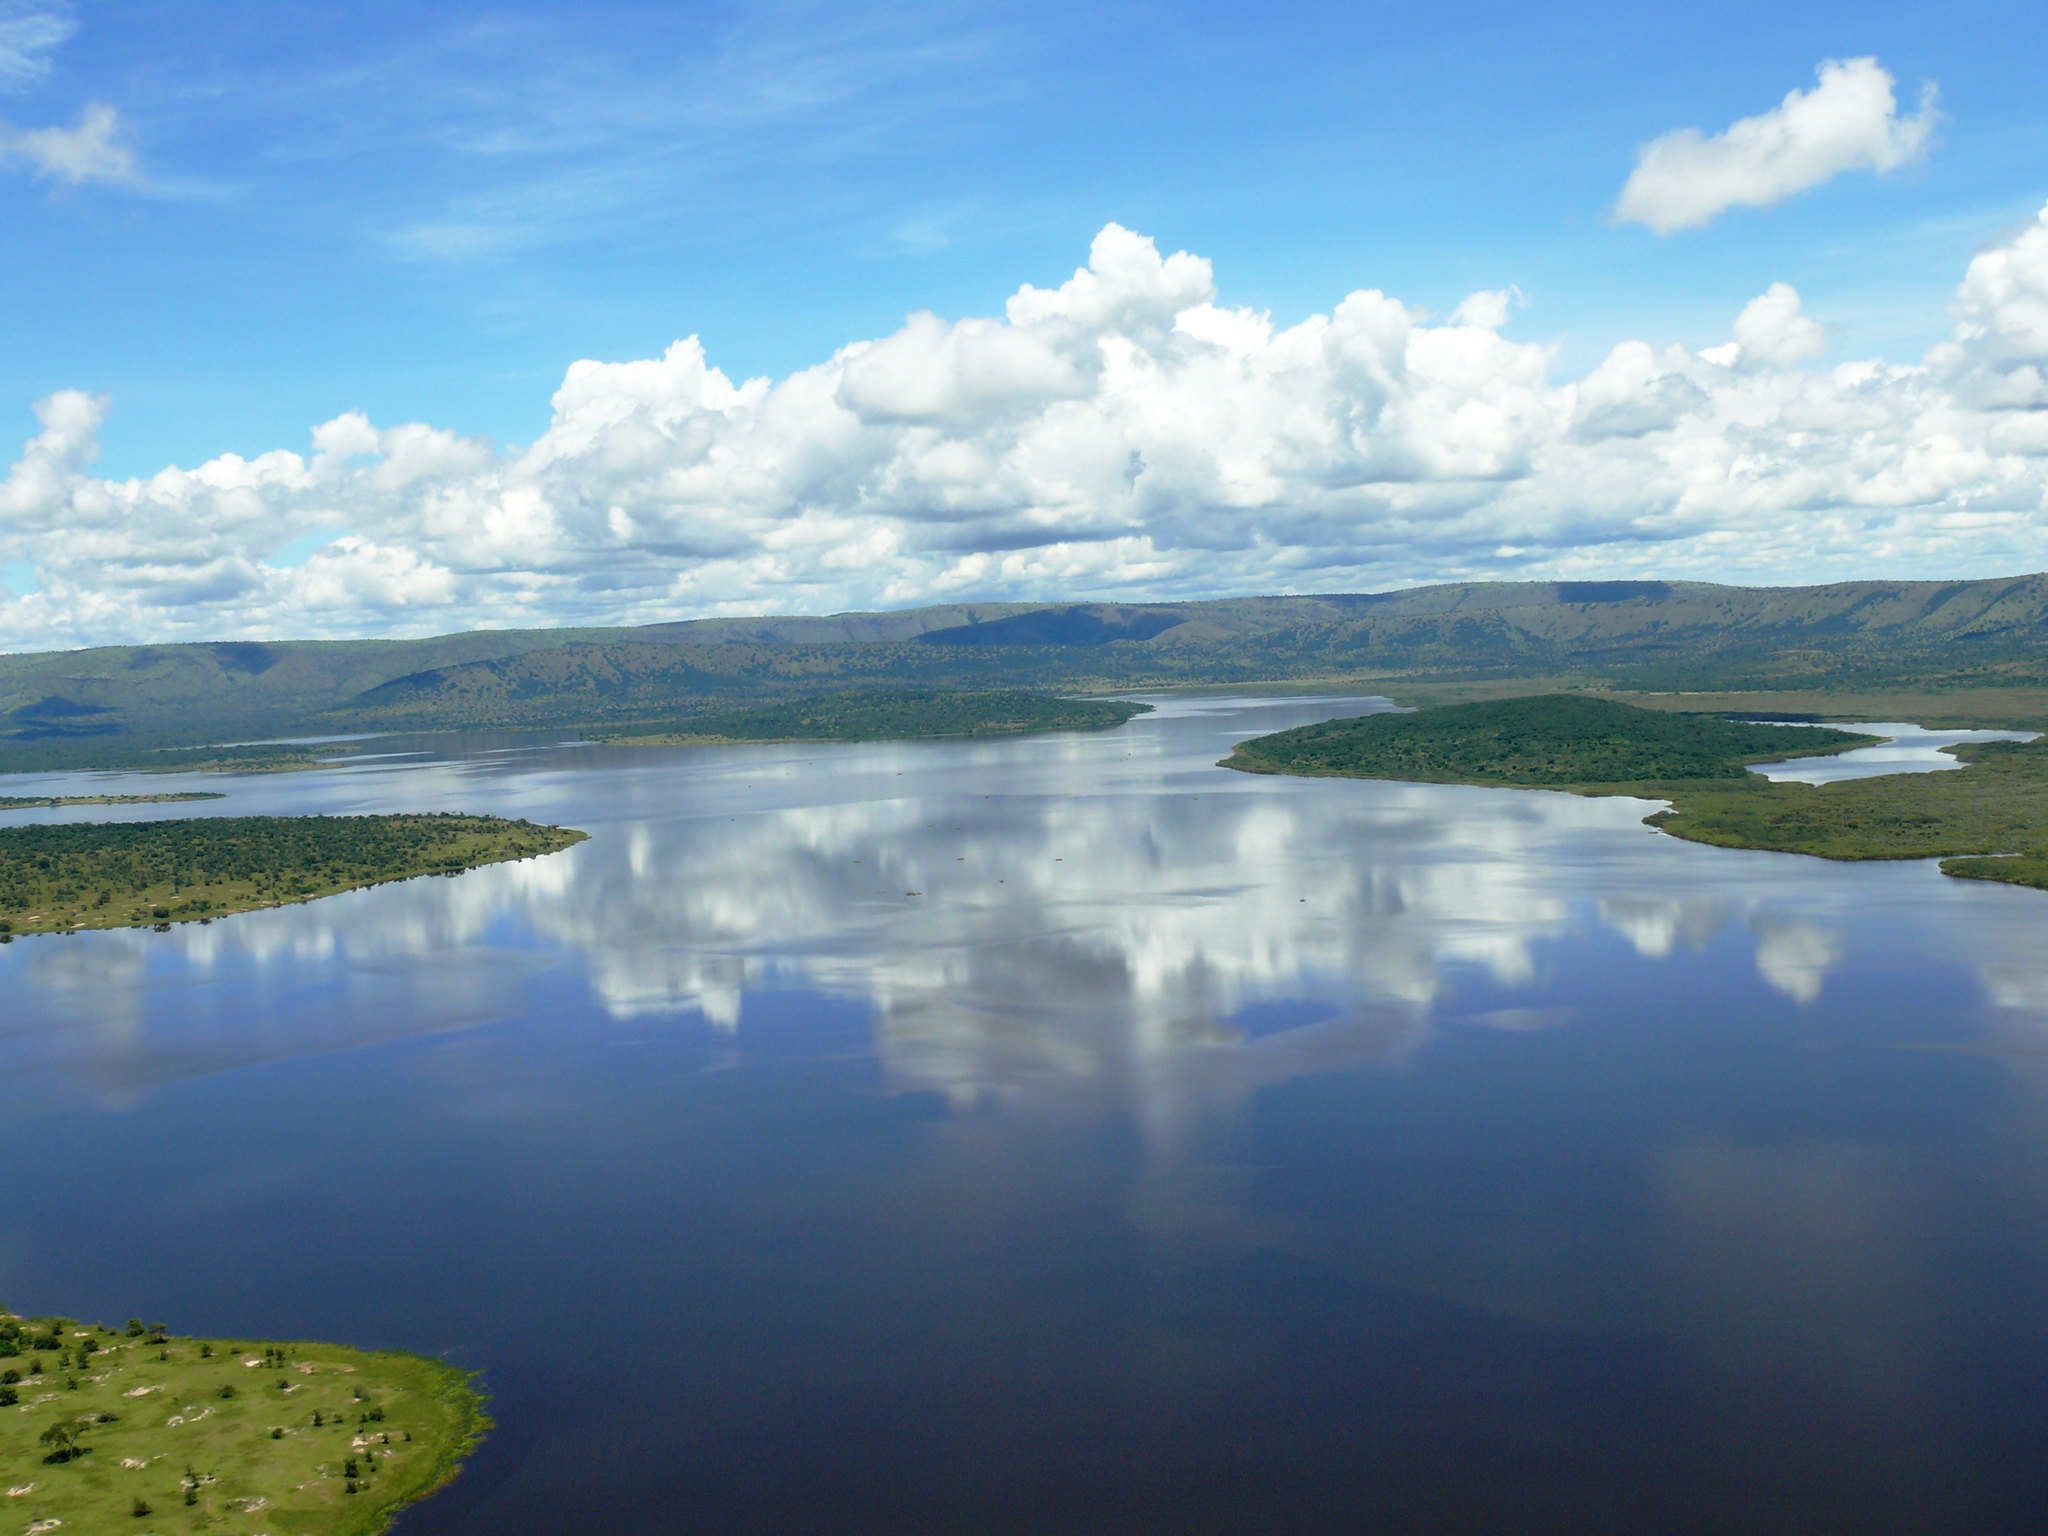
[1014, 915]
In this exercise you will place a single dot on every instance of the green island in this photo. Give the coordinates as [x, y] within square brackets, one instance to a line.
[30, 802]
[1987, 822]
[74, 875]
[131, 1429]
[891, 714]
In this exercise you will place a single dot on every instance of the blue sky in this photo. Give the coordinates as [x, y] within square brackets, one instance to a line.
[427, 213]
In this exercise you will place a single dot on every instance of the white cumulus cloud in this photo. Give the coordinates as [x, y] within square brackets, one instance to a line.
[1125, 434]
[1849, 121]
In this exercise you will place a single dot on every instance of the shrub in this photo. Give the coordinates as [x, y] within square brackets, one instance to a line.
[140, 1508]
[228, 1390]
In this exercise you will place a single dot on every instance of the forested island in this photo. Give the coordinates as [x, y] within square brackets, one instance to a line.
[130, 1429]
[1551, 741]
[73, 875]
[1988, 822]
[891, 714]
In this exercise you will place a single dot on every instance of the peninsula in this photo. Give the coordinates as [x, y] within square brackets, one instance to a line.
[1987, 822]
[72, 875]
[111, 1429]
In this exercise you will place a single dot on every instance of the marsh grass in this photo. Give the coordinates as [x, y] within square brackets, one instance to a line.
[1987, 822]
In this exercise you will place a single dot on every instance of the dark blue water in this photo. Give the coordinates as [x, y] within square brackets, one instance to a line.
[1191, 1151]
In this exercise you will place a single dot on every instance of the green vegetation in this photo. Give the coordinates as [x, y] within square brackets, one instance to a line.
[27, 802]
[1968, 651]
[129, 874]
[133, 1430]
[1987, 822]
[895, 715]
[1552, 741]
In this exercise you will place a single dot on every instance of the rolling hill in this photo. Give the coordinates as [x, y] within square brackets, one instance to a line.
[58, 707]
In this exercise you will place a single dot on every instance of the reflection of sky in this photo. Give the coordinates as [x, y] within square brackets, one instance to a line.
[1906, 749]
[1013, 915]
[1180, 1119]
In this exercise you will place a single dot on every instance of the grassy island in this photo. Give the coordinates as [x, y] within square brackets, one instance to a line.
[1988, 822]
[108, 1429]
[892, 715]
[136, 873]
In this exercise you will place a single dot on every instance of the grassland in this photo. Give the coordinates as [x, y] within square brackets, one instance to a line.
[894, 715]
[73, 875]
[31, 802]
[1987, 822]
[107, 1430]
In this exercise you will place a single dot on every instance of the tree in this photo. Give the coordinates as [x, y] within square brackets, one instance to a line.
[62, 1439]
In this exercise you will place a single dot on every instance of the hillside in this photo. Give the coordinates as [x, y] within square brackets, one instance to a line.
[1636, 635]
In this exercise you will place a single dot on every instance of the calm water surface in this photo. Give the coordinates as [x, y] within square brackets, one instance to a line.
[1066, 1134]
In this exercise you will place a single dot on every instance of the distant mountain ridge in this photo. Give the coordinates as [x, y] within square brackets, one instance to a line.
[1640, 634]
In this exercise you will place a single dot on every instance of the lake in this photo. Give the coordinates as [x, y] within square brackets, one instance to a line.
[1067, 1134]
